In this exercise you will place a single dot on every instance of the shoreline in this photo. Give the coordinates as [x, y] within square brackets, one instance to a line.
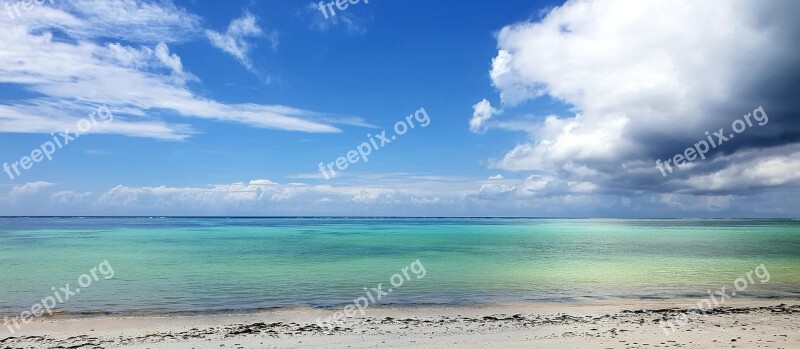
[589, 324]
[578, 302]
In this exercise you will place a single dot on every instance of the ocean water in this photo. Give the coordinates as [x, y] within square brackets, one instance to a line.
[201, 265]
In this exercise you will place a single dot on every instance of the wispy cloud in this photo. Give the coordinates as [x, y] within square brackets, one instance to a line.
[138, 77]
[234, 40]
[131, 20]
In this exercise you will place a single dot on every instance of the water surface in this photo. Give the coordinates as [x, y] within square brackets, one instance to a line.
[166, 265]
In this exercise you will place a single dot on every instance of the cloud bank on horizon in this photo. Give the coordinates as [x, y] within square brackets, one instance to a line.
[641, 81]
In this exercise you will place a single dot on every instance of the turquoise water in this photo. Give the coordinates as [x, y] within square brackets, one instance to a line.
[169, 265]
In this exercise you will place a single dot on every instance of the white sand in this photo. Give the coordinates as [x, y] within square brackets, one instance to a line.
[741, 324]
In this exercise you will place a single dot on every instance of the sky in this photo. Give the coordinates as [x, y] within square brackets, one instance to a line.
[421, 108]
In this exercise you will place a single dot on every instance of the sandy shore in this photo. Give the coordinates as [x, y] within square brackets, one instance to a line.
[741, 324]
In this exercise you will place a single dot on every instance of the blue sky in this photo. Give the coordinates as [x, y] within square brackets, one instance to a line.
[537, 108]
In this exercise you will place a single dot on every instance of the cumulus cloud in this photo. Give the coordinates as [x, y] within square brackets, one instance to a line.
[398, 194]
[29, 188]
[746, 171]
[646, 80]
[70, 198]
[391, 195]
[259, 196]
[482, 112]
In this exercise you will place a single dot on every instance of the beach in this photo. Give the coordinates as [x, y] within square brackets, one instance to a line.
[743, 324]
[366, 282]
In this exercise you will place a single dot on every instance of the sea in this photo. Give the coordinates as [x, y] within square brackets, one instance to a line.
[191, 265]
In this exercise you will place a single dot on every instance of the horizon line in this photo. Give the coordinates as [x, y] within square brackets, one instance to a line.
[374, 217]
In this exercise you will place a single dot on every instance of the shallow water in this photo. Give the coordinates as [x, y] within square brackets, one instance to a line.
[166, 265]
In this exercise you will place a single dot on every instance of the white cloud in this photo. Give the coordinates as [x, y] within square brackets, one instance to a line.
[563, 141]
[49, 115]
[234, 40]
[68, 197]
[139, 83]
[482, 112]
[646, 79]
[131, 20]
[170, 60]
[514, 89]
[748, 170]
[397, 194]
[389, 195]
[29, 188]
